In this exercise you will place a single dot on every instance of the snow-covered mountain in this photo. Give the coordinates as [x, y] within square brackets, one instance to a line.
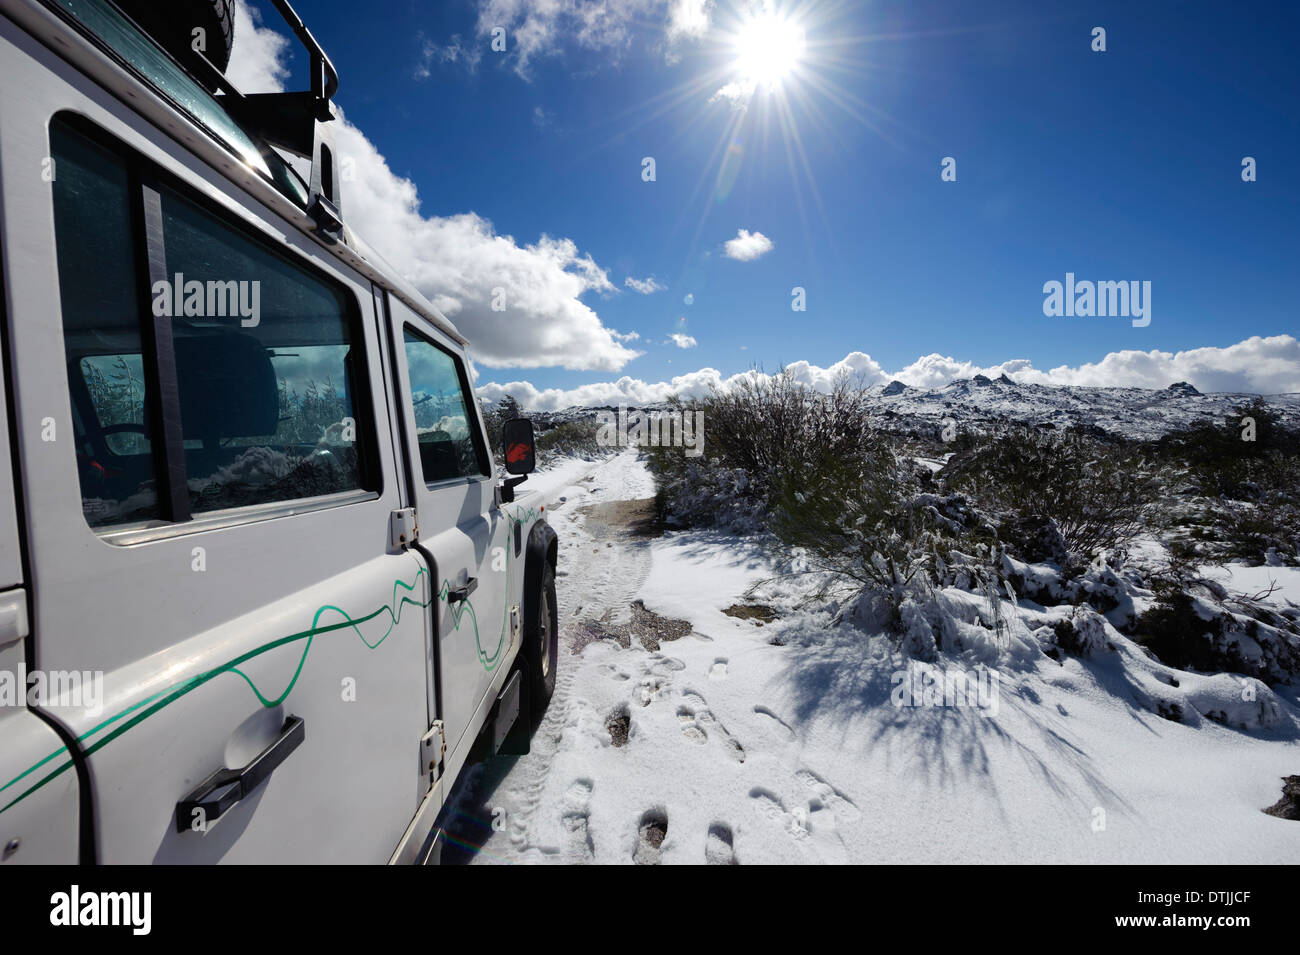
[1138, 413]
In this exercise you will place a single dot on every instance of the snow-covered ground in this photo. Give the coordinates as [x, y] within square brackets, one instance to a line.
[781, 742]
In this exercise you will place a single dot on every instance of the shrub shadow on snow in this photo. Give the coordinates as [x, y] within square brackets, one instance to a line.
[845, 678]
[720, 549]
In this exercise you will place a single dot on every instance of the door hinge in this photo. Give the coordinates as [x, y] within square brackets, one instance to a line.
[402, 528]
[433, 751]
[514, 621]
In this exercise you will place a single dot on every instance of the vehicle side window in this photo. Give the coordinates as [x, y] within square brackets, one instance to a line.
[102, 304]
[447, 431]
[268, 356]
[264, 368]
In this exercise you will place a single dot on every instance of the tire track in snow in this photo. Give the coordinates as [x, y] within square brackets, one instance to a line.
[599, 574]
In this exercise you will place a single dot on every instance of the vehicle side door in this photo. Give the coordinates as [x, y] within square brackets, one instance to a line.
[460, 525]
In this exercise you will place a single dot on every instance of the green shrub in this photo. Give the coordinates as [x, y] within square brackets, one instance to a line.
[1246, 494]
[1068, 497]
[576, 438]
[757, 432]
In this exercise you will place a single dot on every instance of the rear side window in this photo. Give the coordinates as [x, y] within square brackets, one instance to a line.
[266, 356]
[448, 435]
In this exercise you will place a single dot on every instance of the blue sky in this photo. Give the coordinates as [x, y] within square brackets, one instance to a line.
[1122, 165]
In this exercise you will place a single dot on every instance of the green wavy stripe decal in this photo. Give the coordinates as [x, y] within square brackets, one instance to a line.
[150, 705]
[489, 661]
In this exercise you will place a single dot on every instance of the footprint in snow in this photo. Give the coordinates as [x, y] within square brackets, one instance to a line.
[660, 663]
[617, 724]
[811, 826]
[575, 803]
[652, 688]
[615, 672]
[829, 796]
[719, 848]
[719, 669]
[691, 727]
[781, 725]
[701, 718]
[651, 832]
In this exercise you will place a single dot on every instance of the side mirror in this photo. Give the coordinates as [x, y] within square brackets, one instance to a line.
[520, 446]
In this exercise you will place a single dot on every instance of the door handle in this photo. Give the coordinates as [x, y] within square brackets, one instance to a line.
[457, 594]
[221, 791]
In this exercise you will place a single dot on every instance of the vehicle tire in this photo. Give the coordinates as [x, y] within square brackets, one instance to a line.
[173, 22]
[542, 647]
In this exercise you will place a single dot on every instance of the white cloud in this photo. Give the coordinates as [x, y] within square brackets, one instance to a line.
[689, 19]
[736, 93]
[542, 119]
[258, 58]
[682, 340]
[629, 390]
[646, 286]
[1253, 366]
[454, 51]
[1257, 364]
[747, 246]
[536, 29]
[458, 261]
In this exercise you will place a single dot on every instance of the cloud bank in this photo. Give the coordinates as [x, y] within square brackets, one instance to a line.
[538, 29]
[1254, 366]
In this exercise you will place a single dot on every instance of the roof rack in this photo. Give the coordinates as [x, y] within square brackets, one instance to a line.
[295, 120]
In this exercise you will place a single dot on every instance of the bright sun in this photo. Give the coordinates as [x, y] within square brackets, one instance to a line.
[769, 47]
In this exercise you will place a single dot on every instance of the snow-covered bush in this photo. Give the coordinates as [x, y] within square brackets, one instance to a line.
[1196, 625]
[699, 492]
[1260, 521]
[1244, 479]
[874, 539]
[572, 438]
[1065, 498]
[1082, 634]
[756, 432]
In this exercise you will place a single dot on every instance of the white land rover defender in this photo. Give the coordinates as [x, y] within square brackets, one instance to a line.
[263, 592]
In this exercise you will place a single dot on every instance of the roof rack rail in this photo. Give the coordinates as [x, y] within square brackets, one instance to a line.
[295, 120]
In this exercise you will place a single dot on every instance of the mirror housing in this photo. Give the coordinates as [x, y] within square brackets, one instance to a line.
[520, 446]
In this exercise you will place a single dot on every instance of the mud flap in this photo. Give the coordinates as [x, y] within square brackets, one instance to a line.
[518, 741]
[504, 733]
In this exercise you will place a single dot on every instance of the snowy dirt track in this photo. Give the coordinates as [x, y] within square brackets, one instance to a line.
[681, 734]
